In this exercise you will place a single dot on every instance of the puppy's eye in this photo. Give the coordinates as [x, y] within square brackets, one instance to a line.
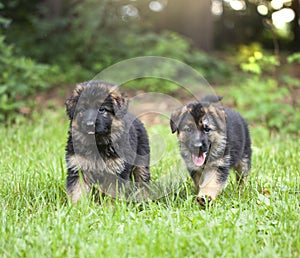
[101, 110]
[206, 129]
[188, 129]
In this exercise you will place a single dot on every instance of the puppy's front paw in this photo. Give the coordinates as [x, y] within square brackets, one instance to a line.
[204, 199]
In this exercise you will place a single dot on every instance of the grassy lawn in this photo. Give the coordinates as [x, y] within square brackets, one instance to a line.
[37, 219]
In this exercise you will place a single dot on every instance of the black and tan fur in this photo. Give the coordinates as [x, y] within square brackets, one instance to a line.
[107, 146]
[217, 136]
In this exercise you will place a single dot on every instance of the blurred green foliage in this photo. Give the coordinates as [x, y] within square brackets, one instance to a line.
[45, 47]
[20, 77]
[265, 93]
[171, 45]
[89, 36]
[254, 59]
[294, 58]
[40, 47]
[264, 101]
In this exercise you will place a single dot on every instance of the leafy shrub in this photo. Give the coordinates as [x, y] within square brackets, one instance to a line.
[294, 58]
[264, 91]
[88, 40]
[255, 60]
[20, 77]
[259, 101]
[267, 102]
[172, 45]
[213, 69]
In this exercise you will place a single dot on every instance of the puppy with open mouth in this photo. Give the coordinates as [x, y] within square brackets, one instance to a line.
[212, 139]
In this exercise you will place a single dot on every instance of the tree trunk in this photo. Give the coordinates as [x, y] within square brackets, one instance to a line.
[54, 7]
[191, 18]
[295, 24]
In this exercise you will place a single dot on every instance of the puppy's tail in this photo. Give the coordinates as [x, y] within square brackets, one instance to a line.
[211, 98]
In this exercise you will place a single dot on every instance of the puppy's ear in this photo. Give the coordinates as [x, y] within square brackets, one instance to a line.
[73, 99]
[210, 98]
[120, 103]
[176, 118]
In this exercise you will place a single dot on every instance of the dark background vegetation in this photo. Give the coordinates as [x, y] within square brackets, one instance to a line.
[243, 52]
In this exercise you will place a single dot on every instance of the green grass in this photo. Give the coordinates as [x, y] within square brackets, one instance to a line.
[38, 220]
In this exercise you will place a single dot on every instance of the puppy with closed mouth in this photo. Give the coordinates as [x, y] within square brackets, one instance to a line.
[212, 140]
[107, 146]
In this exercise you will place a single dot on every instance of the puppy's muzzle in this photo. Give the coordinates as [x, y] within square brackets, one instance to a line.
[199, 148]
[90, 127]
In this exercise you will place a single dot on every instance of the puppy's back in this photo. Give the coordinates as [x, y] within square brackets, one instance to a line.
[238, 136]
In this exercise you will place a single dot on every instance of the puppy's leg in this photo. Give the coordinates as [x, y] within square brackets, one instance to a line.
[141, 177]
[76, 187]
[211, 184]
[141, 171]
[141, 174]
[196, 176]
[242, 170]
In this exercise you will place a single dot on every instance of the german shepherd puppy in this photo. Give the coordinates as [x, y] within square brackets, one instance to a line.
[107, 146]
[212, 139]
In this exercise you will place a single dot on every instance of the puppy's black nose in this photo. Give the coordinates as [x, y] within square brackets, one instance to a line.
[198, 144]
[198, 147]
[90, 124]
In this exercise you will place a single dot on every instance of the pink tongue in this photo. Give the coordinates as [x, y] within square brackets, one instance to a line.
[199, 161]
